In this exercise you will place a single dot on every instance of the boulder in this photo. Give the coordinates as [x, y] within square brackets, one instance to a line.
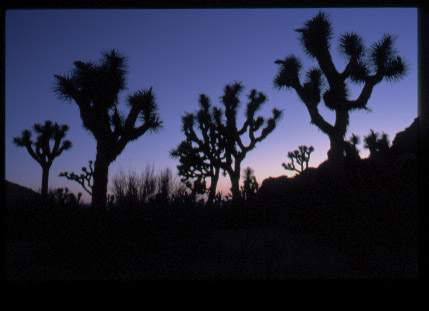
[274, 185]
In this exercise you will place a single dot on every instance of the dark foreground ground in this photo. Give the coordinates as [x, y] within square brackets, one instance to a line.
[190, 245]
[240, 254]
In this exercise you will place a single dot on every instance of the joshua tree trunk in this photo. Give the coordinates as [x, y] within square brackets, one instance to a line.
[45, 179]
[235, 187]
[235, 182]
[336, 152]
[336, 135]
[213, 186]
[101, 174]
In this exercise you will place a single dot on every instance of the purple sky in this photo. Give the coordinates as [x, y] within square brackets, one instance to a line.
[182, 53]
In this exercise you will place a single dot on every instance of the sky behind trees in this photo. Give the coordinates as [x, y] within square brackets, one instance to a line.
[182, 53]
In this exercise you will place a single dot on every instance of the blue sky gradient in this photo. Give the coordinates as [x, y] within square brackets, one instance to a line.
[182, 53]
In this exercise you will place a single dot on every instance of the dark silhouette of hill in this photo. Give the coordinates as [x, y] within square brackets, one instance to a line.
[17, 195]
[402, 152]
[359, 202]
[406, 142]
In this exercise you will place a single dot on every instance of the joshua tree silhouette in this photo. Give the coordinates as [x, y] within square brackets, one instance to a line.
[302, 157]
[221, 147]
[85, 179]
[235, 150]
[95, 89]
[200, 156]
[376, 145]
[42, 151]
[382, 63]
[250, 185]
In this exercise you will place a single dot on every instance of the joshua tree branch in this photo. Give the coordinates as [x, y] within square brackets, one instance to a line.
[328, 67]
[362, 100]
[315, 116]
[66, 145]
[317, 119]
[131, 119]
[85, 177]
[290, 166]
[32, 153]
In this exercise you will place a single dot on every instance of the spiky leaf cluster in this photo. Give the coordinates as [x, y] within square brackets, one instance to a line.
[96, 83]
[288, 75]
[316, 35]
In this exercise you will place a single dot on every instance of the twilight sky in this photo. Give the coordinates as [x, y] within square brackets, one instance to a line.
[182, 53]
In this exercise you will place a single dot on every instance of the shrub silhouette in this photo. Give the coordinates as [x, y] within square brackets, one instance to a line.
[200, 155]
[63, 198]
[125, 188]
[352, 152]
[132, 190]
[42, 151]
[135, 190]
[165, 185]
[376, 145]
[381, 64]
[148, 184]
[95, 89]
[85, 179]
[301, 156]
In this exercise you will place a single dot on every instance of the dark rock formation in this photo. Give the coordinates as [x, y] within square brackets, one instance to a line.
[405, 144]
[273, 185]
[17, 195]
[372, 200]
[403, 151]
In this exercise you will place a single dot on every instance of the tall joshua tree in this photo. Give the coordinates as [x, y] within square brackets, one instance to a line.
[366, 67]
[220, 146]
[95, 89]
[235, 149]
[42, 151]
[200, 155]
